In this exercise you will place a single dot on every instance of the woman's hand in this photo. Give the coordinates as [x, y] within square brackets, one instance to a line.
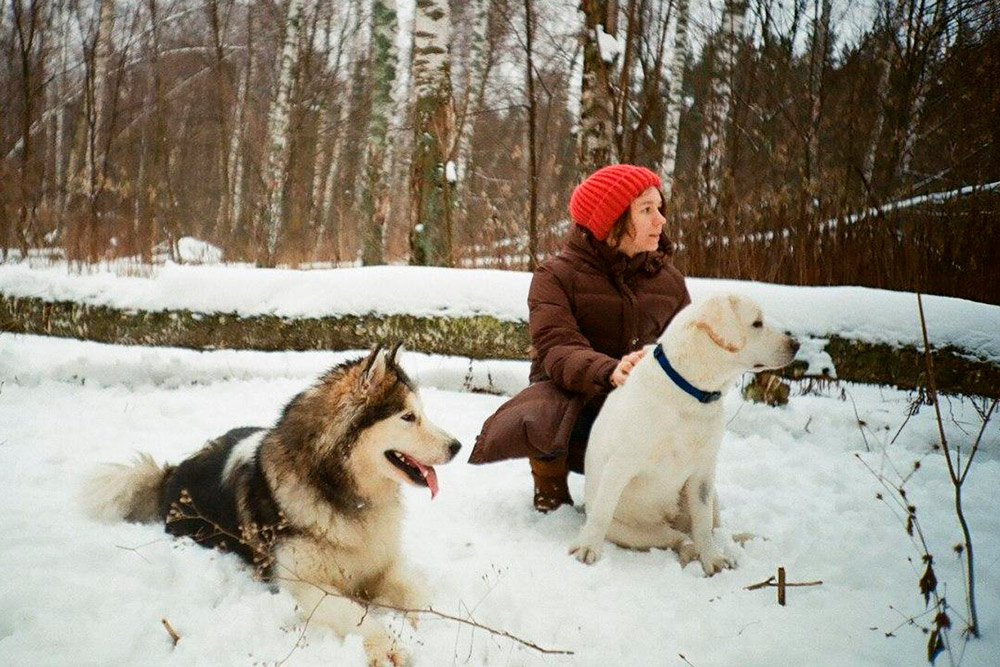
[625, 366]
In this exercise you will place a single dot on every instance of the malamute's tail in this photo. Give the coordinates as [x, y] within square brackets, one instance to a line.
[131, 492]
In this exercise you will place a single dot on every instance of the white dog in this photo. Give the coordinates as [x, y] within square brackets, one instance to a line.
[650, 465]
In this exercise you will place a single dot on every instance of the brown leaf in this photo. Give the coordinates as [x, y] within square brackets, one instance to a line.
[928, 583]
[934, 646]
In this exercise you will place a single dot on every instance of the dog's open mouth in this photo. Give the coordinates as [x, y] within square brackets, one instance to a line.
[414, 470]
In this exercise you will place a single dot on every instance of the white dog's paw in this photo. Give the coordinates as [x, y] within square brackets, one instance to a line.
[586, 552]
[686, 553]
[714, 562]
[383, 650]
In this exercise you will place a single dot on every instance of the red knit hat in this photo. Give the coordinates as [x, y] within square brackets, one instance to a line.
[605, 195]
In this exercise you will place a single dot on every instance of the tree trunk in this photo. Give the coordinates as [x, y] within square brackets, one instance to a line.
[596, 139]
[61, 104]
[818, 57]
[221, 108]
[925, 42]
[480, 63]
[277, 134]
[236, 157]
[330, 129]
[375, 196]
[717, 112]
[154, 177]
[675, 99]
[95, 89]
[28, 27]
[529, 20]
[434, 123]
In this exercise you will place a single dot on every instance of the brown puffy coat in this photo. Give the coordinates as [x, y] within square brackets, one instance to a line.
[588, 306]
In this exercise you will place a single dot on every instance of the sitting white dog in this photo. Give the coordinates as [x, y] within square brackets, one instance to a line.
[650, 465]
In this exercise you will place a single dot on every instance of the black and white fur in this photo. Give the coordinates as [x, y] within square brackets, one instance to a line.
[312, 503]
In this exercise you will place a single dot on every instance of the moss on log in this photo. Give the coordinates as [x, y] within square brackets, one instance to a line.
[478, 337]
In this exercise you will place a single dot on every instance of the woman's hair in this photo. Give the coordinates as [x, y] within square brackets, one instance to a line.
[622, 226]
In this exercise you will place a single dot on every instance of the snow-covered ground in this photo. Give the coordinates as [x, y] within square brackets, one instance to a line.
[75, 592]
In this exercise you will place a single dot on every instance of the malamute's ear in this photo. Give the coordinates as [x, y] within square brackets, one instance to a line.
[374, 367]
[396, 354]
[719, 319]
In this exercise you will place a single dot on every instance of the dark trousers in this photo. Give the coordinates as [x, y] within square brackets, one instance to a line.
[578, 439]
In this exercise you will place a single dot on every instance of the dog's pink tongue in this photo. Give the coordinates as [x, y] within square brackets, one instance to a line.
[430, 476]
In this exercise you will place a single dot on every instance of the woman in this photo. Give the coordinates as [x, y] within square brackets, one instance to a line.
[592, 307]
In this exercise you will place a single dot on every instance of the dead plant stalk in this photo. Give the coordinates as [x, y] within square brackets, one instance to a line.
[956, 474]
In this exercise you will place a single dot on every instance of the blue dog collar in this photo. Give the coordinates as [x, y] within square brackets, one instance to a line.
[702, 396]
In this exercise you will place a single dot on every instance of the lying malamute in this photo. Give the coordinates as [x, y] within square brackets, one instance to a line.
[312, 503]
[650, 463]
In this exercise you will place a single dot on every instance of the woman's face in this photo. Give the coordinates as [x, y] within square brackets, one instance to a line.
[645, 224]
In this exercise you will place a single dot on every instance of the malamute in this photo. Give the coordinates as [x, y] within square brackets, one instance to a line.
[312, 503]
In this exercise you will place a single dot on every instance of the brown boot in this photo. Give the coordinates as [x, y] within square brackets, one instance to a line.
[551, 489]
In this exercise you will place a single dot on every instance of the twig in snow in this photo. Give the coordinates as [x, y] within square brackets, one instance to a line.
[170, 631]
[259, 543]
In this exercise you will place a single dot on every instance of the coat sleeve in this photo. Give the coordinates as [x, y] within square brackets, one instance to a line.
[566, 355]
[685, 300]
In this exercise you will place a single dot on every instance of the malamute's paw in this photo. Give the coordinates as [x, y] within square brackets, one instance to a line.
[585, 552]
[383, 650]
[714, 562]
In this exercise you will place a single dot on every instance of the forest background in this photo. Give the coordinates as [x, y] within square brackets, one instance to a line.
[799, 141]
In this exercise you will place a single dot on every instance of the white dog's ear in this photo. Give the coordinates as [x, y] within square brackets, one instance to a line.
[719, 319]
[373, 368]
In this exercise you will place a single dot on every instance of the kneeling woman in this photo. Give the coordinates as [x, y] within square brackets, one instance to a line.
[592, 307]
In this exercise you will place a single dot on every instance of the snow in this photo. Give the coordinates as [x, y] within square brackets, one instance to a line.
[195, 251]
[872, 315]
[607, 45]
[77, 592]
[932, 197]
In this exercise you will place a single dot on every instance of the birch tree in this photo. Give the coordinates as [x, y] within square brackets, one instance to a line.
[923, 37]
[236, 156]
[671, 125]
[333, 119]
[596, 140]
[60, 94]
[431, 171]
[717, 111]
[883, 63]
[277, 133]
[375, 199]
[481, 60]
